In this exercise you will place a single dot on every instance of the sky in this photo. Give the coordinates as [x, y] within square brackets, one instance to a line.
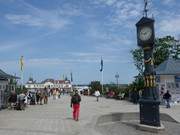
[57, 37]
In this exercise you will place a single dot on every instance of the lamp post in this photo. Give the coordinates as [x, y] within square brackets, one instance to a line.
[149, 102]
[117, 77]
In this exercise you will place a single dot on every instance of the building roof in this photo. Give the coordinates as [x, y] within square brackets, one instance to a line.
[56, 81]
[144, 20]
[31, 81]
[4, 75]
[48, 80]
[169, 67]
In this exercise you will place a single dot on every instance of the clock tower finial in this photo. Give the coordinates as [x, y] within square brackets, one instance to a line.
[145, 8]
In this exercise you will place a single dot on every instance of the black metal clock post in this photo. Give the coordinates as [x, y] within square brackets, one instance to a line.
[149, 102]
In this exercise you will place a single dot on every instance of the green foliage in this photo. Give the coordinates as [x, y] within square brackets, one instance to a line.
[162, 49]
[137, 84]
[21, 89]
[138, 59]
[95, 85]
[113, 87]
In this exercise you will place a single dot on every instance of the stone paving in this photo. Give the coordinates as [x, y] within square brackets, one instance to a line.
[55, 117]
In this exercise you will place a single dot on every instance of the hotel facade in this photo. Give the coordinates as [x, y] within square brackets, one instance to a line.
[51, 83]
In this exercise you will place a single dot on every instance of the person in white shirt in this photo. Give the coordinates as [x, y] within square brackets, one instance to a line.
[97, 94]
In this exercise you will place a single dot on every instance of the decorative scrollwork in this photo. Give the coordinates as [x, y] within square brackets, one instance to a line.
[147, 61]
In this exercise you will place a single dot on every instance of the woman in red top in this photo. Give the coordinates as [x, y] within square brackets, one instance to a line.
[75, 103]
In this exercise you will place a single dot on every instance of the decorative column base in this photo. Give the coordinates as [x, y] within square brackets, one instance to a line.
[149, 112]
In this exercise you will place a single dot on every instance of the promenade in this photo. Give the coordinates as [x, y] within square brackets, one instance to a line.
[55, 118]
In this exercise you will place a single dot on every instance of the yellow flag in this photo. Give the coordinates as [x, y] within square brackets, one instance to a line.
[21, 61]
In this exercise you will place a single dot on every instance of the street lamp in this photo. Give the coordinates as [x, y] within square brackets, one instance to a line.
[117, 77]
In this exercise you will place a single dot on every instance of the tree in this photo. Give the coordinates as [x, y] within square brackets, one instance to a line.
[20, 90]
[162, 49]
[138, 59]
[95, 85]
[175, 50]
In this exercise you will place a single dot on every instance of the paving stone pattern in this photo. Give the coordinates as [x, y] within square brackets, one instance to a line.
[55, 118]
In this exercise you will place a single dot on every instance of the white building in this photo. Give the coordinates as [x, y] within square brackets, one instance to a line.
[7, 84]
[61, 84]
[168, 77]
[83, 89]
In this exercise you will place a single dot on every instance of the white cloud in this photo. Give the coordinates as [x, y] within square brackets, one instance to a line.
[106, 2]
[170, 26]
[167, 2]
[39, 21]
[47, 62]
[112, 38]
[43, 61]
[7, 46]
[123, 11]
[85, 54]
[128, 10]
[55, 18]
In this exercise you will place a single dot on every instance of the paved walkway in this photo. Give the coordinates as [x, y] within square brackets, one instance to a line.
[55, 118]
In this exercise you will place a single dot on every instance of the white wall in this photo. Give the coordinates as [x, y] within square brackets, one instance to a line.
[168, 83]
[34, 86]
[166, 78]
[3, 85]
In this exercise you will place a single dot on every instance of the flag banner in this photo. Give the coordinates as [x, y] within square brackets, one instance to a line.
[21, 61]
[101, 69]
[71, 77]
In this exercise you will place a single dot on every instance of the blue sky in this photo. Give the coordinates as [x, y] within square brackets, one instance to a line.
[57, 37]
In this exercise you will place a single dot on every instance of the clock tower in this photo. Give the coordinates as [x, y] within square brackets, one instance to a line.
[149, 102]
[145, 32]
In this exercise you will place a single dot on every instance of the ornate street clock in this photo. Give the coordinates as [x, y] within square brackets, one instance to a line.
[145, 32]
[149, 102]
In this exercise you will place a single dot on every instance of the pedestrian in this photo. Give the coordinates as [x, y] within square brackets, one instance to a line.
[59, 96]
[49, 91]
[21, 104]
[75, 103]
[54, 94]
[41, 96]
[167, 97]
[26, 99]
[46, 95]
[12, 99]
[97, 94]
[57, 93]
[38, 94]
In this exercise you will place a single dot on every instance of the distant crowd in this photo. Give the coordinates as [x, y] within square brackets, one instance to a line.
[33, 97]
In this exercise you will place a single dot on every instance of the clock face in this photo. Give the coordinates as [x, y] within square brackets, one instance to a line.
[145, 33]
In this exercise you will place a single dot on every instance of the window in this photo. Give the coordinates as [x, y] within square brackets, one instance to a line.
[177, 85]
[158, 79]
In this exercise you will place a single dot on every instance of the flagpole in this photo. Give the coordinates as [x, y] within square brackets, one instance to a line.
[101, 70]
[22, 77]
[22, 71]
[71, 82]
[102, 82]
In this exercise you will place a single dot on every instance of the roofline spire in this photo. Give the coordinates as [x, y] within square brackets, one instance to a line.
[145, 12]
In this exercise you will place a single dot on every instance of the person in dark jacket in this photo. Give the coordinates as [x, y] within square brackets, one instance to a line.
[75, 103]
[12, 99]
[167, 97]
